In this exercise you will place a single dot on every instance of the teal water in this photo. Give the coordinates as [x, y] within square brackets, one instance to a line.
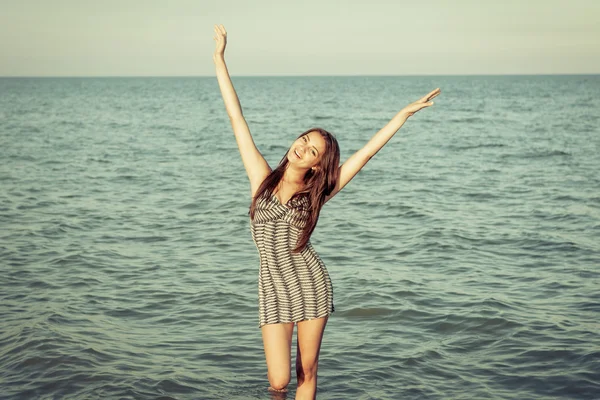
[465, 257]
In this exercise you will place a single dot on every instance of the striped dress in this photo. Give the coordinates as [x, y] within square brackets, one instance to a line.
[292, 287]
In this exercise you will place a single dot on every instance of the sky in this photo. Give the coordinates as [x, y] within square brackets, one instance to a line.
[299, 37]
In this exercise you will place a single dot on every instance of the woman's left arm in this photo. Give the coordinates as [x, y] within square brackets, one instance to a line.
[357, 161]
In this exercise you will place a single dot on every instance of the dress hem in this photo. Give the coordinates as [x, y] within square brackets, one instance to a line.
[296, 321]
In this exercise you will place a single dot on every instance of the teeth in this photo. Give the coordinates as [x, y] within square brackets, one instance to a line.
[296, 152]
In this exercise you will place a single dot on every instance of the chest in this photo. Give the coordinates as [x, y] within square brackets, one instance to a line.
[295, 211]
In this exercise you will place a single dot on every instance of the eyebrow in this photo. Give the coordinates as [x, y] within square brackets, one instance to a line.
[308, 137]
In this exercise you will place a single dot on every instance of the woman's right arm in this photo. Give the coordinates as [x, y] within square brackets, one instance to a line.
[255, 164]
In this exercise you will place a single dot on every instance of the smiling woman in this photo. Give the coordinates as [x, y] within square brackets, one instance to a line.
[309, 169]
[294, 288]
[309, 146]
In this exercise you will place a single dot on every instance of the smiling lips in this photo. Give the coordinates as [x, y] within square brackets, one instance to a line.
[297, 154]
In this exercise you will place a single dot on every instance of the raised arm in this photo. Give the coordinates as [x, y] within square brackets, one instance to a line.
[357, 161]
[255, 164]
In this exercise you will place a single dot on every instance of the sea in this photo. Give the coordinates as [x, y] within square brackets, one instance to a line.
[465, 256]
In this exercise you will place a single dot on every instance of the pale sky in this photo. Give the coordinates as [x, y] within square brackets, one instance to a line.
[301, 37]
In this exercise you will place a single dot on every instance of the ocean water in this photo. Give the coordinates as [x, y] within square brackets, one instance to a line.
[465, 257]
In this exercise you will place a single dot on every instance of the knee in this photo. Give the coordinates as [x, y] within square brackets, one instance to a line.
[279, 381]
[306, 371]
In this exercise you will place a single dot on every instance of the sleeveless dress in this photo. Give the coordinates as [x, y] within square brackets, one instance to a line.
[292, 287]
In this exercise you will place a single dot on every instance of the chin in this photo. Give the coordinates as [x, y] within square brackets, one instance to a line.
[292, 159]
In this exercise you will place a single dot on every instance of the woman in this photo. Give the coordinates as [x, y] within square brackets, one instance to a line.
[294, 287]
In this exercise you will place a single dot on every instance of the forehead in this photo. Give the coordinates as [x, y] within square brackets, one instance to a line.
[317, 140]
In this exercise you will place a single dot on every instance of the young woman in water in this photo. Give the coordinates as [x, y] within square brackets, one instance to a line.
[293, 284]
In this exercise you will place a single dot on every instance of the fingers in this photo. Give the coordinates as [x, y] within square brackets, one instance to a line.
[220, 30]
[220, 35]
[433, 94]
[430, 96]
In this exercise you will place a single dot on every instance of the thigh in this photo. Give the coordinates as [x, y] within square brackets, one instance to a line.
[277, 340]
[310, 336]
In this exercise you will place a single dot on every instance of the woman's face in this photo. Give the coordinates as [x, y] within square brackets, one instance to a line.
[307, 150]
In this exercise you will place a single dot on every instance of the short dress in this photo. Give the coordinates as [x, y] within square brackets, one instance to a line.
[292, 287]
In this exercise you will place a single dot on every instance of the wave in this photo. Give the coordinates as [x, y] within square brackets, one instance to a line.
[541, 154]
[477, 146]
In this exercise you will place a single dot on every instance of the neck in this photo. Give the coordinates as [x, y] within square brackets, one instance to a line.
[294, 176]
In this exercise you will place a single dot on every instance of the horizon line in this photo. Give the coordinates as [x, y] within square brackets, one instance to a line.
[295, 75]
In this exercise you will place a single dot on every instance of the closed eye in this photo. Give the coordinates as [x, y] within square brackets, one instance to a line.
[313, 151]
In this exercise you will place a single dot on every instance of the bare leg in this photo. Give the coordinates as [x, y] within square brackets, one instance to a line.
[310, 335]
[277, 340]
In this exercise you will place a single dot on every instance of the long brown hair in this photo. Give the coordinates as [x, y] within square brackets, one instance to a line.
[318, 183]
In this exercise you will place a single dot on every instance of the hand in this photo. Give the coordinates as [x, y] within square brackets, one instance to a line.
[221, 39]
[420, 104]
